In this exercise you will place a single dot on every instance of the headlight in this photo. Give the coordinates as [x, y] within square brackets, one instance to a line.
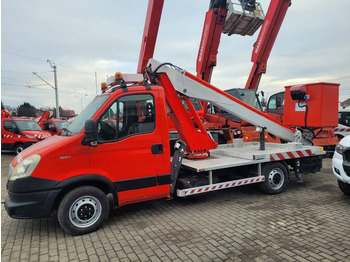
[25, 168]
[31, 137]
[340, 149]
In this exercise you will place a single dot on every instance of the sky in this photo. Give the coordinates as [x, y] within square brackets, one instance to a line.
[90, 40]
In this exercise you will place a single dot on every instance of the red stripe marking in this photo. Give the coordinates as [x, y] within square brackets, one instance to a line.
[309, 152]
[200, 190]
[220, 186]
[290, 154]
[271, 158]
[192, 191]
[245, 182]
[251, 181]
[206, 189]
[300, 153]
[240, 182]
[227, 185]
[280, 156]
[213, 187]
[233, 184]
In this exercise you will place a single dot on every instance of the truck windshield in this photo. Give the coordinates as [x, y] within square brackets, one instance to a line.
[78, 124]
[248, 96]
[61, 124]
[25, 125]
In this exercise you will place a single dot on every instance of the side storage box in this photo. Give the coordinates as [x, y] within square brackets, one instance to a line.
[318, 108]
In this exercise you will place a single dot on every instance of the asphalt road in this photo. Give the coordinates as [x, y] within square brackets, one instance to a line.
[307, 222]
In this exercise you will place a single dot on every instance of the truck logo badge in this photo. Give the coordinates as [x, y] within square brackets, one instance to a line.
[64, 157]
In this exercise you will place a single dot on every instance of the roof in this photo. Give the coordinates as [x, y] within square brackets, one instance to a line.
[345, 103]
[67, 113]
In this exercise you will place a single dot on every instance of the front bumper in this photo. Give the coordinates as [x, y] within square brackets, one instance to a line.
[31, 205]
[338, 165]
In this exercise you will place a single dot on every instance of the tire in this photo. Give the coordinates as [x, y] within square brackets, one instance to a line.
[276, 178]
[83, 210]
[19, 148]
[344, 187]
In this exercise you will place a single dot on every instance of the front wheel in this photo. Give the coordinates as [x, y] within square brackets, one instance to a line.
[344, 187]
[276, 178]
[83, 210]
[19, 148]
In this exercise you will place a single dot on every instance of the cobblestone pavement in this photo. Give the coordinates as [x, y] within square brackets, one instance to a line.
[308, 222]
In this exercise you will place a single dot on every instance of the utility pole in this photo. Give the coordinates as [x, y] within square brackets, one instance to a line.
[56, 88]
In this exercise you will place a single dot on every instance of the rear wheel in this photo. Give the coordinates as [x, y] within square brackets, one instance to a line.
[344, 187]
[83, 210]
[276, 178]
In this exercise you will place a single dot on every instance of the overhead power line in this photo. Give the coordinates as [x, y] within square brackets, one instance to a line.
[38, 59]
[47, 89]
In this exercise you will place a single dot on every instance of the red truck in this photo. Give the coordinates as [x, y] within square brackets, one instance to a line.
[51, 125]
[19, 133]
[99, 166]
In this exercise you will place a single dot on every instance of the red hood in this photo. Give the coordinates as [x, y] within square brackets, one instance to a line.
[38, 134]
[54, 146]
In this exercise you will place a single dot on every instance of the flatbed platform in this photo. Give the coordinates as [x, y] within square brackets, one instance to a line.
[242, 154]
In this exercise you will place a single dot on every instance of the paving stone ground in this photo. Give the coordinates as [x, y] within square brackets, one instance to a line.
[307, 222]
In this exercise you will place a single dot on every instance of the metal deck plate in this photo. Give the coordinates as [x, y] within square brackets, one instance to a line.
[226, 156]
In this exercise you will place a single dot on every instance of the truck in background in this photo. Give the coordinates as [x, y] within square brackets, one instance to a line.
[50, 124]
[19, 133]
[341, 164]
[343, 128]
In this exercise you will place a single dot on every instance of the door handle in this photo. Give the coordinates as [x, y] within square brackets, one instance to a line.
[157, 148]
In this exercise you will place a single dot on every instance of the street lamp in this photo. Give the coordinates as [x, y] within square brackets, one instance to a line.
[81, 101]
[56, 88]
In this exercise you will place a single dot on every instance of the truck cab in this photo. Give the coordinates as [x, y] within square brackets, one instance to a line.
[130, 161]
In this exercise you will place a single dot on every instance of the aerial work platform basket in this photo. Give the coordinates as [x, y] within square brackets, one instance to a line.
[242, 22]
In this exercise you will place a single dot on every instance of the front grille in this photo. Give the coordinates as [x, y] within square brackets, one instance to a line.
[346, 166]
[346, 155]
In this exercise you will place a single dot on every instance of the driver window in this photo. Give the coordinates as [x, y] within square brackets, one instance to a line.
[107, 125]
[129, 115]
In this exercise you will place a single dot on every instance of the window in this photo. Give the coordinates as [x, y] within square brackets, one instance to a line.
[10, 127]
[276, 103]
[129, 115]
[27, 125]
[344, 118]
[78, 124]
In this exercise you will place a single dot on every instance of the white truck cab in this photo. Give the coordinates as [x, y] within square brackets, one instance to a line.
[341, 164]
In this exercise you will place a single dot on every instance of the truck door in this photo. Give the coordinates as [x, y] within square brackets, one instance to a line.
[9, 135]
[130, 148]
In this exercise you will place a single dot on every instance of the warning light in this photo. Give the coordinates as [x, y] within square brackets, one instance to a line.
[118, 76]
[103, 86]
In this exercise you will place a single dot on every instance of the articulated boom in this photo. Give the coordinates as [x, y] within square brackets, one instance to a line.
[189, 127]
[189, 85]
[266, 39]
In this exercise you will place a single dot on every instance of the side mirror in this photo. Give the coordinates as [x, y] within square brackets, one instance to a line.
[90, 132]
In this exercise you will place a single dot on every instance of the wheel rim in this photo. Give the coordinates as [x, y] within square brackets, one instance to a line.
[85, 211]
[19, 150]
[276, 178]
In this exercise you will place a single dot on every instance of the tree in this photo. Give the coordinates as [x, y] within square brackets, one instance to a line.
[26, 109]
[2, 106]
